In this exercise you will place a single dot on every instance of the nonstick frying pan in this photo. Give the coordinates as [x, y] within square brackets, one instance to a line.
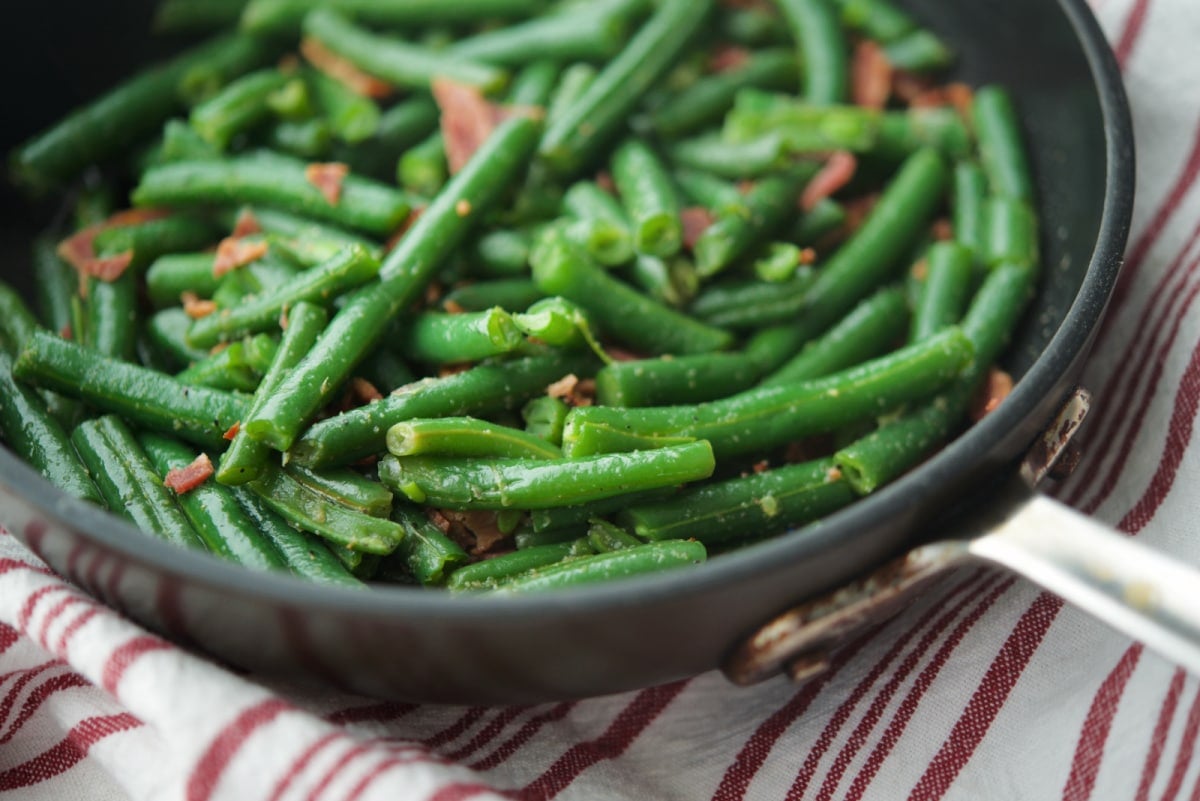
[421, 645]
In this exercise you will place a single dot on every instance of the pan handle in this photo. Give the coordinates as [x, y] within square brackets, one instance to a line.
[1136, 590]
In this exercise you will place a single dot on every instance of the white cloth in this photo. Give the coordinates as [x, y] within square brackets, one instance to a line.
[993, 692]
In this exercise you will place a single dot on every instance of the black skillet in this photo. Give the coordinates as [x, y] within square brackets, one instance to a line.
[428, 646]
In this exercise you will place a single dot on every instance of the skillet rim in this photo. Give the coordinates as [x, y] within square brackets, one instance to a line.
[1069, 343]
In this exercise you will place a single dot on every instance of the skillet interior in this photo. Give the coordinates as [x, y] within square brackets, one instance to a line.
[427, 646]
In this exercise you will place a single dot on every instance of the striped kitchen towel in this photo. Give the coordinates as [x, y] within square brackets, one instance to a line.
[991, 691]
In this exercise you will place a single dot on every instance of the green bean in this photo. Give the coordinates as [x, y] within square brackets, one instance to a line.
[534, 84]
[510, 293]
[674, 282]
[310, 139]
[436, 338]
[610, 244]
[346, 488]
[429, 554]
[487, 574]
[561, 268]
[571, 518]
[650, 199]
[681, 380]
[465, 436]
[386, 370]
[559, 323]
[245, 458]
[877, 19]
[572, 139]
[214, 512]
[902, 133]
[750, 158]
[503, 252]
[283, 226]
[271, 16]
[350, 268]
[423, 168]
[17, 322]
[579, 33]
[779, 263]
[759, 418]
[55, 283]
[192, 15]
[734, 233]
[948, 277]
[181, 142]
[872, 328]
[574, 81]
[37, 437]
[606, 537]
[464, 483]
[166, 331]
[169, 276]
[124, 115]
[237, 108]
[112, 316]
[825, 62]
[306, 555]
[706, 101]
[395, 61]
[919, 51]
[400, 127]
[280, 181]
[1012, 234]
[315, 513]
[750, 305]
[747, 507]
[1001, 150]
[229, 369]
[545, 417]
[654, 557]
[128, 482]
[481, 390]
[707, 190]
[145, 397]
[148, 240]
[969, 206]
[353, 118]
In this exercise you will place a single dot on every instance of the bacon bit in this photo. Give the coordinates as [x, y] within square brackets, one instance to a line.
[343, 71]
[479, 529]
[247, 225]
[574, 391]
[996, 387]
[284, 320]
[957, 95]
[79, 250]
[453, 307]
[908, 86]
[838, 171]
[857, 211]
[289, 63]
[728, 58]
[409, 221]
[622, 355]
[235, 253]
[468, 119]
[439, 520]
[605, 181]
[745, 186]
[195, 307]
[128, 217]
[447, 370]
[871, 75]
[433, 293]
[808, 256]
[66, 333]
[943, 229]
[186, 479]
[233, 431]
[463, 208]
[364, 391]
[328, 178]
[761, 467]
[833, 474]
[696, 221]
[920, 270]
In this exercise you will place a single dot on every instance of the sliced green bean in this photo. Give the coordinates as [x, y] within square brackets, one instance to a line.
[481, 390]
[145, 397]
[306, 554]
[574, 81]
[17, 322]
[579, 33]
[166, 331]
[237, 108]
[534, 84]
[504, 252]
[435, 338]
[545, 418]
[606, 537]
[129, 483]
[112, 316]
[510, 293]
[465, 436]
[464, 483]
[148, 240]
[168, 277]
[747, 159]
[352, 117]
[949, 271]
[969, 207]
[423, 168]
[55, 283]
[400, 127]
[1012, 232]
[1001, 149]
[823, 50]
[654, 557]
[650, 198]
[767, 207]
[877, 19]
[747, 507]
[919, 51]
[749, 305]
[232, 369]
[760, 418]
[673, 282]
[429, 554]
[708, 190]
[679, 380]
[487, 574]
[347, 488]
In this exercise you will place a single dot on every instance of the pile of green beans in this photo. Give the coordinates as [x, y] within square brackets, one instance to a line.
[615, 312]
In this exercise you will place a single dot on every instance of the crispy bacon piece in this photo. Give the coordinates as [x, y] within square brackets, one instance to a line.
[920, 270]
[343, 71]
[195, 307]
[233, 431]
[808, 256]
[871, 75]
[479, 530]
[605, 181]
[908, 86]
[186, 479]
[234, 253]
[696, 221]
[622, 355]
[995, 388]
[468, 119]
[959, 96]
[943, 229]
[79, 250]
[452, 307]
[328, 178]
[728, 58]
[574, 391]
[838, 171]
[247, 225]
[364, 391]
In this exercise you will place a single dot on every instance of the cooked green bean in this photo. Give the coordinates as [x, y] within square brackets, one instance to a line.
[949, 270]
[428, 553]
[17, 322]
[707, 190]
[534, 84]
[364, 204]
[919, 51]
[488, 574]
[1001, 150]
[503, 253]
[166, 331]
[464, 483]
[56, 283]
[148, 240]
[168, 277]
[1012, 235]
[750, 158]
[574, 81]
[352, 117]
[969, 206]
[767, 207]
[579, 33]
[545, 417]
[193, 15]
[679, 380]
[400, 127]
[423, 168]
[346, 488]
[877, 19]
[237, 108]
[230, 369]
[673, 282]
[129, 483]
[112, 316]
[572, 139]
[823, 50]
[271, 16]
[465, 436]
[306, 554]
[435, 338]
[395, 61]
[142, 396]
[750, 305]
[747, 507]
[650, 198]
[508, 293]
[759, 418]
[654, 557]
[481, 390]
